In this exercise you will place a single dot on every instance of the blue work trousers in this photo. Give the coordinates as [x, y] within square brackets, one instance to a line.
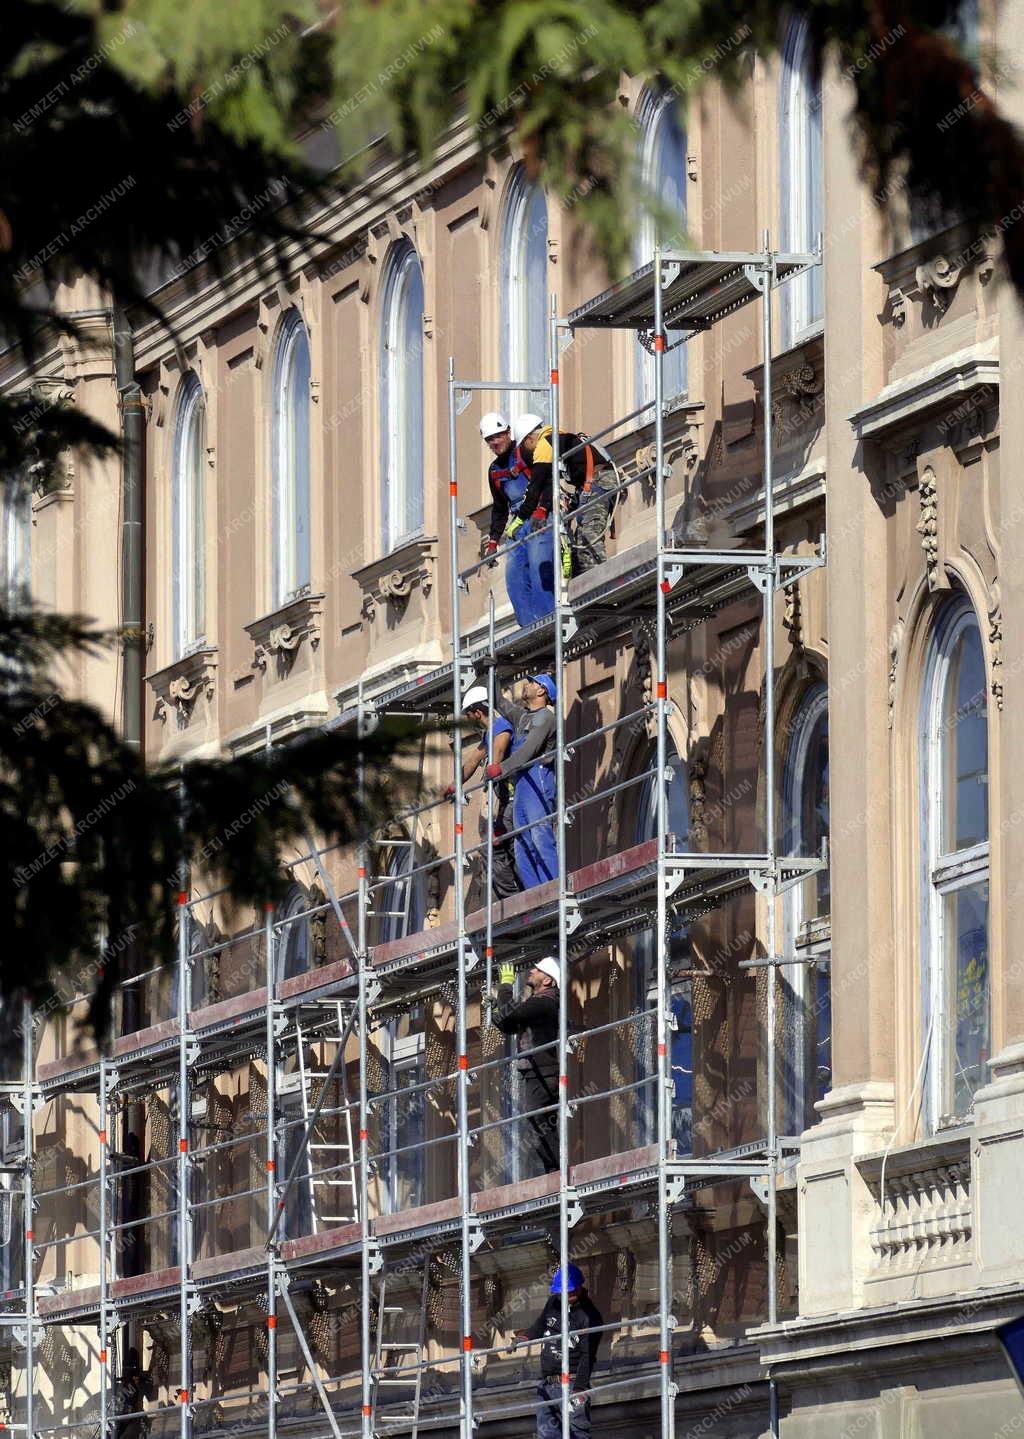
[536, 854]
[549, 1413]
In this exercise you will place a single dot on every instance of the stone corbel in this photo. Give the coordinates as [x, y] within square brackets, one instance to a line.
[553, 247]
[393, 579]
[278, 635]
[179, 685]
[938, 278]
[897, 307]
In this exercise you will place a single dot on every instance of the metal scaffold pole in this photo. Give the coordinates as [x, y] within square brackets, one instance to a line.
[104, 1336]
[664, 1079]
[28, 1109]
[462, 1059]
[271, 1047]
[561, 597]
[366, 1267]
[184, 1221]
[771, 970]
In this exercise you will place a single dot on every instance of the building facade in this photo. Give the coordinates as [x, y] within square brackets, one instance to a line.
[297, 569]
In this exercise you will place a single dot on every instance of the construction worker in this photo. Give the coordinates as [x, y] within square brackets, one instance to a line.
[534, 1022]
[588, 470]
[507, 478]
[583, 1315]
[496, 732]
[530, 766]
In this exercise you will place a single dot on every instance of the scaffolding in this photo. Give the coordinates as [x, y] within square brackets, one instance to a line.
[332, 1219]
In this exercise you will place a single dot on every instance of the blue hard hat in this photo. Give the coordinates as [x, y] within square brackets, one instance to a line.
[575, 1279]
[547, 684]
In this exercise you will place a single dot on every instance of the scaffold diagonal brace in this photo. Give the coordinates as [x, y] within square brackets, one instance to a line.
[314, 1373]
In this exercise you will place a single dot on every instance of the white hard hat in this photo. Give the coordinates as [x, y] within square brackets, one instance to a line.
[549, 967]
[476, 695]
[525, 425]
[492, 424]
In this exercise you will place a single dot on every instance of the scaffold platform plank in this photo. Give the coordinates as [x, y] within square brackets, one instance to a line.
[699, 288]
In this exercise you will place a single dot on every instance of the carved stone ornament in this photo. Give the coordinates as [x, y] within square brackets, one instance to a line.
[895, 645]
[278, 636]
[391, 581]
[795, 398]
[792, 617]
[938, 278]
[928, 525]
[995, 640]
[698, 802]
[897, 307]
[178, 686]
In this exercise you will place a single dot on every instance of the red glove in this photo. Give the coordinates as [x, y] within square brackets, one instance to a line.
[450, 792]
[494, 771]
[539, 514]
[490, 548]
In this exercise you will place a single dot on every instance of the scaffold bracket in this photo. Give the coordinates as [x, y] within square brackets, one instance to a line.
[760, 274]
[764, 577]
[573, 916]
[669, 272]
[570, 627]
[573, 1208]
[374, 1257]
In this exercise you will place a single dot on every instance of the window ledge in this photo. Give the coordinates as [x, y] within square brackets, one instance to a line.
[389, 581]
[277, 636]
[178, 686]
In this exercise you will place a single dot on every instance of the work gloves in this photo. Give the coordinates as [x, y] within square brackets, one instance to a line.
[494, 771]
[566, 559]
[488, 549]
[513, 527]
[506, 974]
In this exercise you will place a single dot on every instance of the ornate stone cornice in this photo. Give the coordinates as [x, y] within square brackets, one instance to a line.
[388, 582]
[179, 685]
[278, 636]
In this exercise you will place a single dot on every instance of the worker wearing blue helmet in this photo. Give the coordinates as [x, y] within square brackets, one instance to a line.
[584, 1316]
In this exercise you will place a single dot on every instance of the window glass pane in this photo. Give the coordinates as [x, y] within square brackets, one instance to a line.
[678, 957]
[299, 426]
[525, 296]
[663, 167]
[822, 1028]
[814, 818]
[967, 1034]
[965, 745]
[197, 539]
[802, 178]
[412, 396]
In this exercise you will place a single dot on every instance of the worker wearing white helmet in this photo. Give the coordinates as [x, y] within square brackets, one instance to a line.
[496, 737]
[508, 478]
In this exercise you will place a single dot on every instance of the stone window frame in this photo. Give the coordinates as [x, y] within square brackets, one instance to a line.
[188, 518]
[801, 182]
[290, 490]
[941, 873]
[402, 1054]
[655, 112]
[519, 285]
[402, 473]
[807, 941]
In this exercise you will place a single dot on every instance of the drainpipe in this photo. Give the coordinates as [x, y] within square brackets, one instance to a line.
[133, 640]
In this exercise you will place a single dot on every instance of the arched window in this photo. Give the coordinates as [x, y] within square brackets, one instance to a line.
[801, 180]
[524, 294]
[663, 177]
[401, 910]
[291, 460]
[956, 999]
[401, 399]
[15, 542]
[806, 926]
[680, 990]
[292, 946]
[188, 519]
